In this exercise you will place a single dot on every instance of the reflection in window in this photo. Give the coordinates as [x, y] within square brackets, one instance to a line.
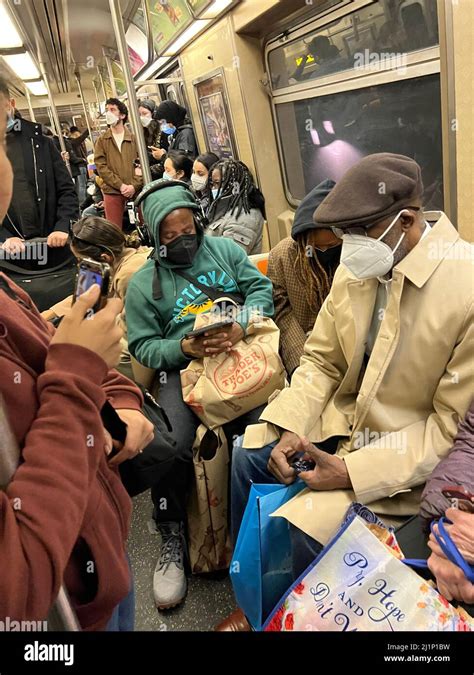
[322, 137]
[373, 33]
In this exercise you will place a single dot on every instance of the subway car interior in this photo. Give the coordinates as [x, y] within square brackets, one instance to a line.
[254, 135]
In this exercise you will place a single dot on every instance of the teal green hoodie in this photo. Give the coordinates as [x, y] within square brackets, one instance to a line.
[156, 327]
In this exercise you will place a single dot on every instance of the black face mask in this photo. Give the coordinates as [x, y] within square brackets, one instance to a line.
[182, 250]
[329, 258]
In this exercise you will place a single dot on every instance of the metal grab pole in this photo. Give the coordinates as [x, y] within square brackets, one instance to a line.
[102, 82]
[110, 71]
[54, 113]
[81, 93]
[62, 616]
[119, 31]
[30, 107]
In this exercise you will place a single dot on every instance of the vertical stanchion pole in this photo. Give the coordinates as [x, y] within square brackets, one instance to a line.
[81, 93]
[102, 83]
[30, 106]
[110, 71]
[119, 31]
[54, 112]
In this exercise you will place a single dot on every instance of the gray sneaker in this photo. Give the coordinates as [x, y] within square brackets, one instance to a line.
[169, 580]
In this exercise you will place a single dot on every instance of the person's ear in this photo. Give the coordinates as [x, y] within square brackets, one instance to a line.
[106, 258]
[179, 175]
[407, 220]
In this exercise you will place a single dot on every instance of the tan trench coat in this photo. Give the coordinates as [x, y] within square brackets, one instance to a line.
[417, 386]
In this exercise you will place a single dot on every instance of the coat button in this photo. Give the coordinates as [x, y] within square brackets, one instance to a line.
[39, 199]
[41, 170]
[37, 146]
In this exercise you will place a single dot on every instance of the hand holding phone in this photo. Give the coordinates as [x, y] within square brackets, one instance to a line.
[210, 328]
[102, 335]
[91, 272]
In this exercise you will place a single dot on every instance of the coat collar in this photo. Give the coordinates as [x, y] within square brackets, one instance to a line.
[126, 137]
[423, 260]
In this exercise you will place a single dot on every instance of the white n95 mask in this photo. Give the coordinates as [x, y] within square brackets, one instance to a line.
[198, 182]
[367, 258]
[111, 119]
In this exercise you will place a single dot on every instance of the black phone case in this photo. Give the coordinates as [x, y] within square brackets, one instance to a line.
[114, 425]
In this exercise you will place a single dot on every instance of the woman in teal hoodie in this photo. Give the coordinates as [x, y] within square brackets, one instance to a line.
[161, 309]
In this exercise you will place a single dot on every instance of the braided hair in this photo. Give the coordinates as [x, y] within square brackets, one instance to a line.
[311, 274]
[237, 185]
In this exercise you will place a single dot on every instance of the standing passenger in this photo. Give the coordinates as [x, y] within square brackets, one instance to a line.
[238, 207]
[301, 268]
[174, 121]
[115, 153]
[155, 139]
[44, 200]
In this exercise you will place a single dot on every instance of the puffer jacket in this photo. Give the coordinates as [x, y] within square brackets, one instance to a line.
[455, 469]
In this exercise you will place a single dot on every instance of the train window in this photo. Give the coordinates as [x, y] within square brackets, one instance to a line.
[384, 27]
[322, 137]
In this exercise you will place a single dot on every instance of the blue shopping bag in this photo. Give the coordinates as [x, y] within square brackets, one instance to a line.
[261, 567]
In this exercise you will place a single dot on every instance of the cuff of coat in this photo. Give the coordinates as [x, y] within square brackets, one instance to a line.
[375, 482]
[76, 360]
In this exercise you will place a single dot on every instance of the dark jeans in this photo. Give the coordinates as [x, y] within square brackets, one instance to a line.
[123, 618]
[170, 495]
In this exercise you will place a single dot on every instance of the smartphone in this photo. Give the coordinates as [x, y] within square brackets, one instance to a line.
[300, 465]
[91, 272]
[460, 498]
[211, 327]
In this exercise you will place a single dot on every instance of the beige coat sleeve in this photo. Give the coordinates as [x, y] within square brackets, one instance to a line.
[404, 459]
[320, 373]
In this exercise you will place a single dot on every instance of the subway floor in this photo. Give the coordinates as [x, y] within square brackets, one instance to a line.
[209, 600]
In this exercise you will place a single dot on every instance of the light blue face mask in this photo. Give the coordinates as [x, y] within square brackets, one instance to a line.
[167, 129]
[166, 176]
[10, 122]
[215, 192]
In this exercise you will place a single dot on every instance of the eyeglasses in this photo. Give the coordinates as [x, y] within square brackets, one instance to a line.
[362, 230]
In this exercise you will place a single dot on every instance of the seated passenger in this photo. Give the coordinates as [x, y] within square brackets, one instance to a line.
[102, 241]
[162, 307]
[65, 514]
[301, 268]
[238, 207]
[200, 179]
[386, 375]
[178, 166]
[457, 469]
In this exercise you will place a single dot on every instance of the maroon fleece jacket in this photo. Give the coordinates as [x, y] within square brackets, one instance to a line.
[65, 515]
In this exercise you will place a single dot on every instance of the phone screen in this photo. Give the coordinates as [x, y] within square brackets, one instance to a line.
[86, 279]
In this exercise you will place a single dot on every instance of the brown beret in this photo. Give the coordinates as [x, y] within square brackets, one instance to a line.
[374, 188]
